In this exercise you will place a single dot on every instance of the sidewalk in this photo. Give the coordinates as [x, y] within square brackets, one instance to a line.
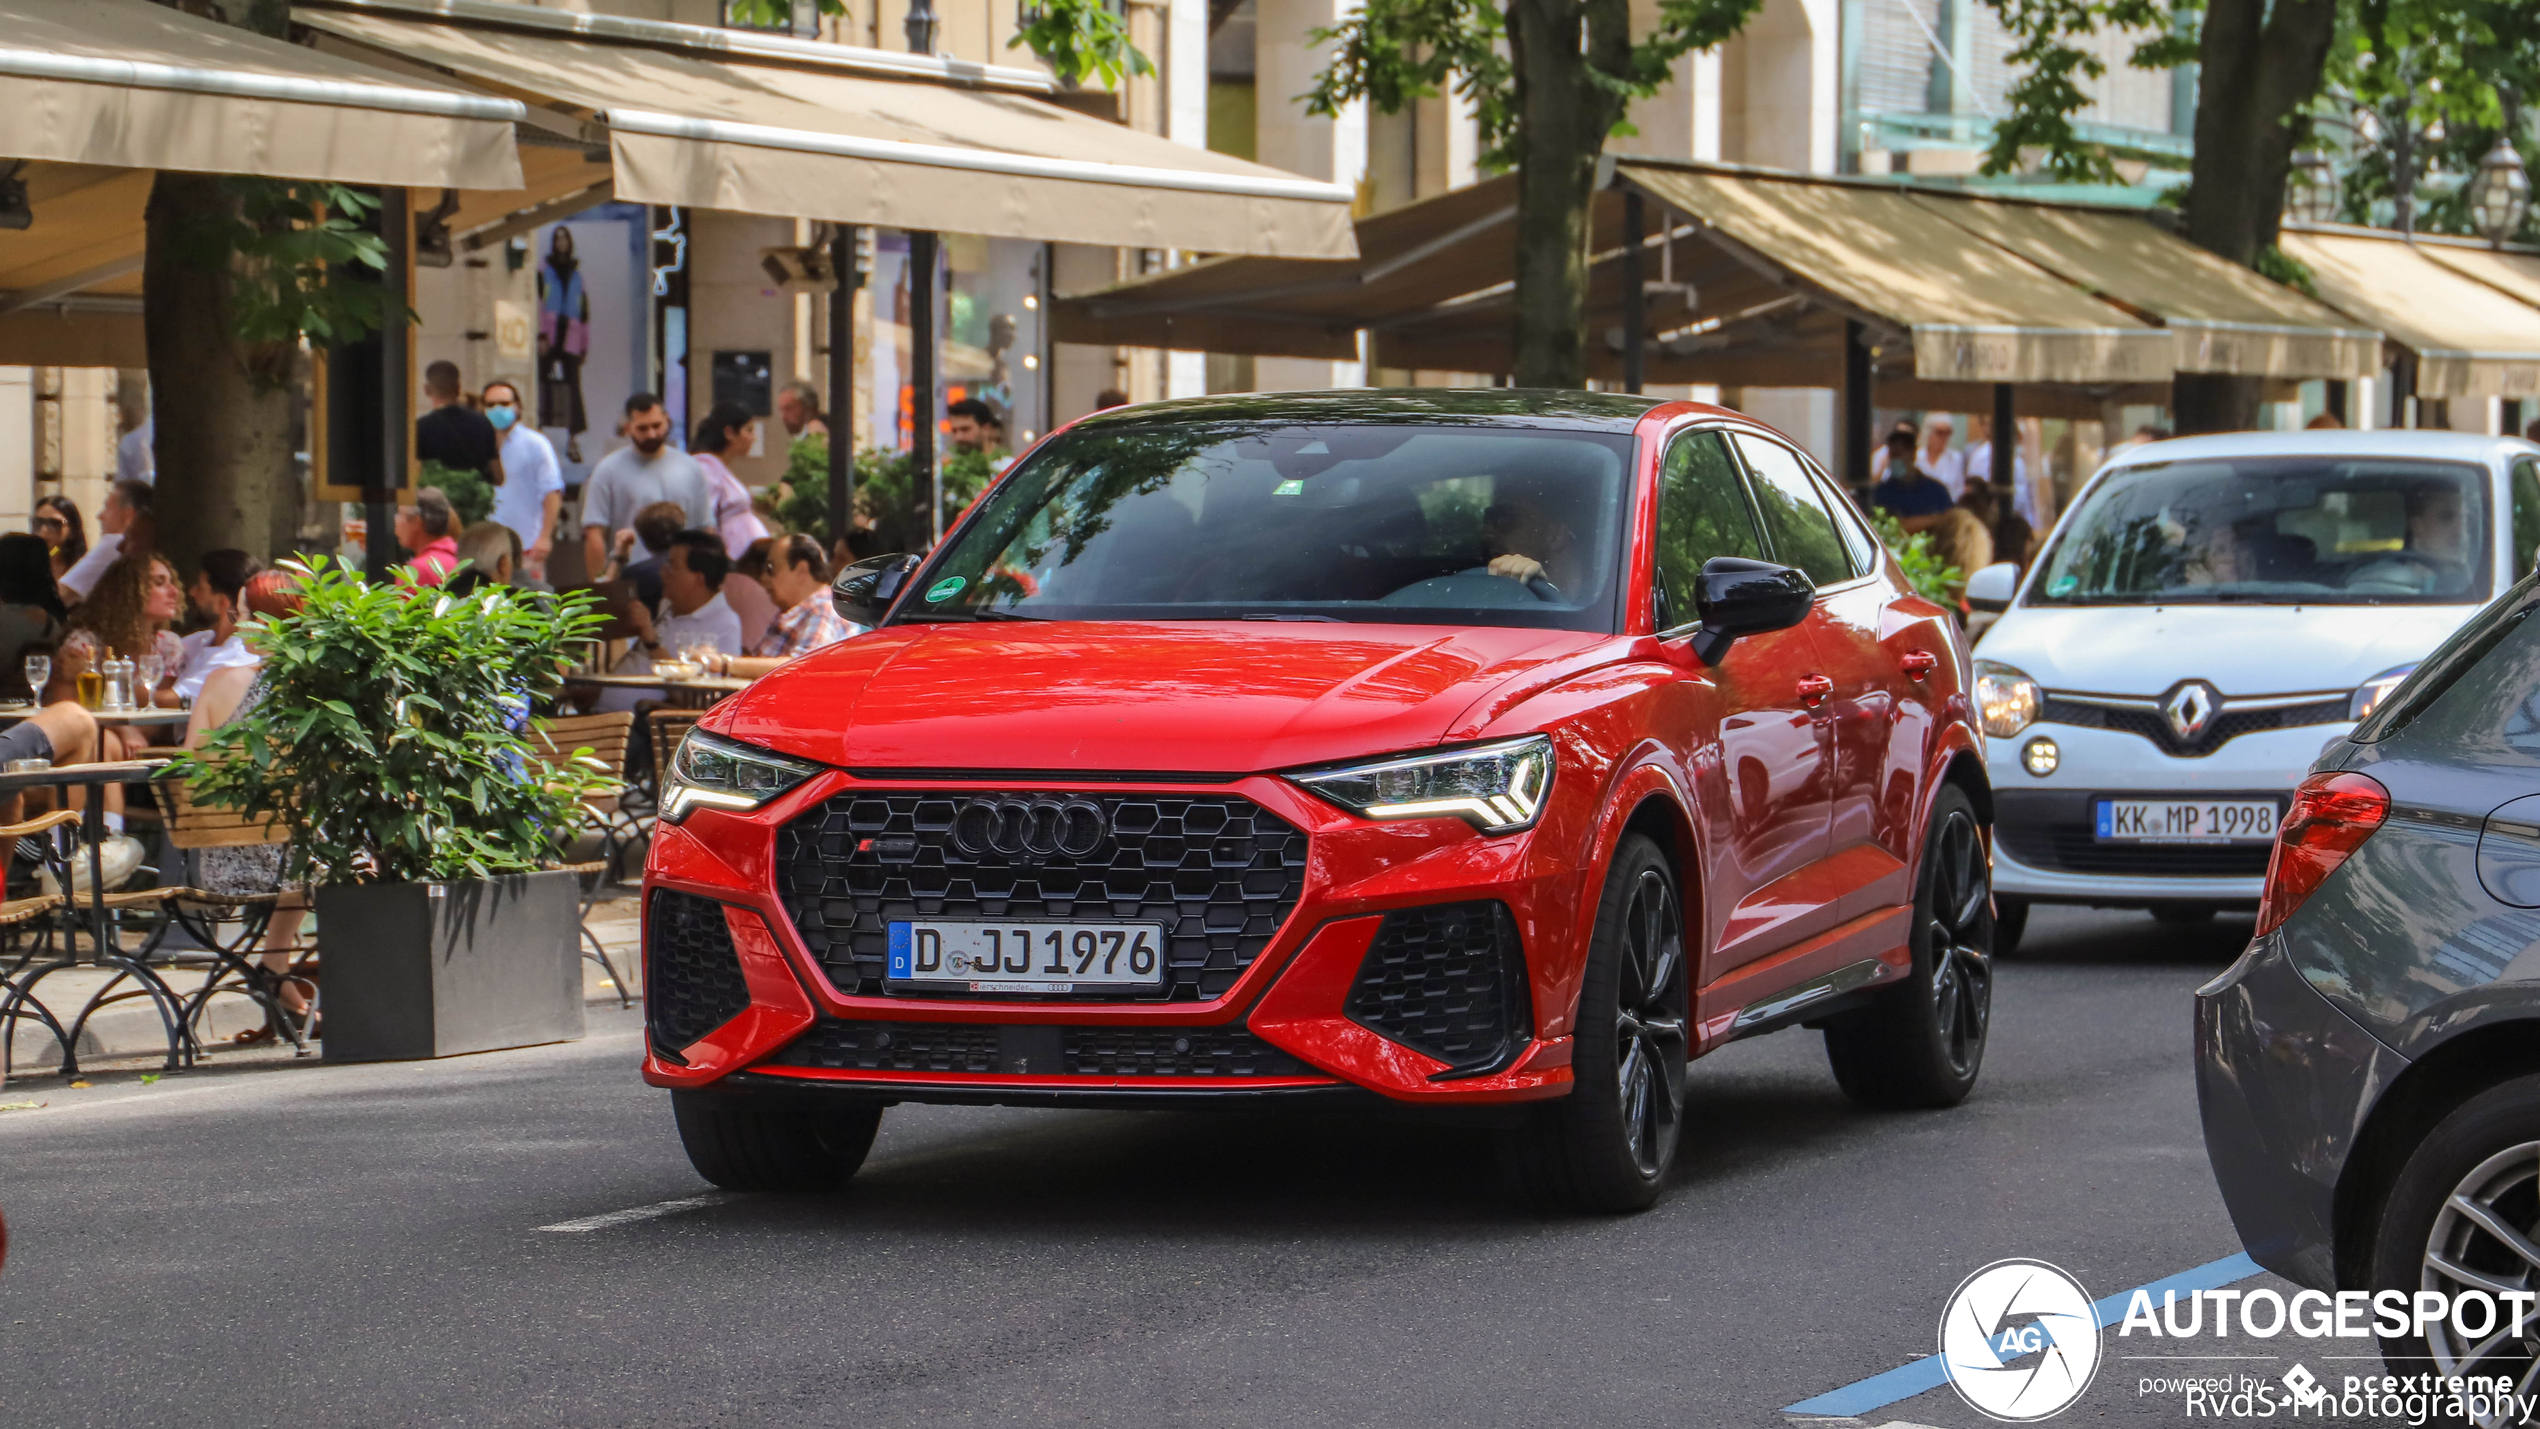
[129, 1036]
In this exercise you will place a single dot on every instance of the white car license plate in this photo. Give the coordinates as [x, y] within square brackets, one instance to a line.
[1025, 956]
[2187, 821]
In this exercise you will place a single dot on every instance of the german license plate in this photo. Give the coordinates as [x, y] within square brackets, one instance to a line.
[2187, 821]
[1026, 956]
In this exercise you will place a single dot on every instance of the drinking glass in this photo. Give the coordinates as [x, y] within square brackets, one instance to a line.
[149, 669]
[39, 673]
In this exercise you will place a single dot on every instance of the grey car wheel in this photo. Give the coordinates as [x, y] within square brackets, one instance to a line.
[2464, 1214]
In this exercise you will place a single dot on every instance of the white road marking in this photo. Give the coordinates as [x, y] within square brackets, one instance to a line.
[608, 1220]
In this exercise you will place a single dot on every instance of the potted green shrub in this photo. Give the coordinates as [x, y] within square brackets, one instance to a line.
[391, 741]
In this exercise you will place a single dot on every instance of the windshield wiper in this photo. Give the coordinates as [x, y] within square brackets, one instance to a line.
[1325, 619]
[992, 614]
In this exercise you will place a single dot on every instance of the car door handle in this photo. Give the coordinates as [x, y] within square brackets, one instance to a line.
[1813, 689]
[1919, 663]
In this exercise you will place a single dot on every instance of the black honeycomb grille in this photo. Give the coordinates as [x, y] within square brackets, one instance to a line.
[2226, 727]
[692, 975]
[1220, 873]
[1076, 1051]
[1449, 982]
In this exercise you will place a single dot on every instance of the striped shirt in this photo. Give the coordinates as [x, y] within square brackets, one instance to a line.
[813, 622]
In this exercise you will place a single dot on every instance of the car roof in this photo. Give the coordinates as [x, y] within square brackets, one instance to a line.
[1478, 406]
[2452, 446]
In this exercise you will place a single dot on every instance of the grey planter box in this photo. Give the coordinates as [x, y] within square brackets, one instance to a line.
[438, 969]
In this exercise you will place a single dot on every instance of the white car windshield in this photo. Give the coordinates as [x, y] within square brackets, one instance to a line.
[2279, 531]
[1396, 522]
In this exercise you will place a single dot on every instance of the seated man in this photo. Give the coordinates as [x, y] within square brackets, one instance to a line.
[1525, 540]
[1916, 500]
[693, 613]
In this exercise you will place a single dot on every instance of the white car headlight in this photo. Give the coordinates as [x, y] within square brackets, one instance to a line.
[1497, 788]
[2008, 700]
[713, 772]
[2371, 693]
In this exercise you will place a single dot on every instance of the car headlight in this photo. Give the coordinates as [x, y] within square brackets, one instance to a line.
[2008, 700]
[713, 772]
[1497, 788]
[2371, 694]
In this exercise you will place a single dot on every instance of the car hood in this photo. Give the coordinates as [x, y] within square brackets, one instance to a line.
[1234, 697]
[2238, 649]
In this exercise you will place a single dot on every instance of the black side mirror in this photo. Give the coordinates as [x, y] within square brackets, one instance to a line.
[1737, 597]
[864, 591]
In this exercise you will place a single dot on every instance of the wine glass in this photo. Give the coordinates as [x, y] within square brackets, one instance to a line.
[39, 673]
[148, 671]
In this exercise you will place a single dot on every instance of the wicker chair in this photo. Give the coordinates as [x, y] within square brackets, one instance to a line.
[228, 926]
[603, 738]
[33, 913]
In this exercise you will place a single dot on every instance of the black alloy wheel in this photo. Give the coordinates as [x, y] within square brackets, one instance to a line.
[1608, 1146]
[1921, 1042]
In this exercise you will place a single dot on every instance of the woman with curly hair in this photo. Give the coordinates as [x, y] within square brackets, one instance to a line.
[129, 612]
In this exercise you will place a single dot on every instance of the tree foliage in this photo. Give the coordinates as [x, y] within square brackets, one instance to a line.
[1393, 53]
[392, 736]
[887, 496]
[292, 251]
[1075, 38]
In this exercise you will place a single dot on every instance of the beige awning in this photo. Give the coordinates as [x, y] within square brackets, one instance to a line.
[142, 86]
[2516, 274]
[1973, 311]
[2470, 340]
[2227, 318]
[695, 117]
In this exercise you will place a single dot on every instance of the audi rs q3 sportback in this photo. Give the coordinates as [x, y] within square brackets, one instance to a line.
[1497, 749]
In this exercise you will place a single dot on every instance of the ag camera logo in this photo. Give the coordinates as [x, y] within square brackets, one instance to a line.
[2019, 1340]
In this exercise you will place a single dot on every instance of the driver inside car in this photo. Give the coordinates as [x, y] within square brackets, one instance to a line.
[2438, 531]
[1524, 540]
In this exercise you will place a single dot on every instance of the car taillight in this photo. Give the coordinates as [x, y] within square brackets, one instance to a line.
[2332, 815]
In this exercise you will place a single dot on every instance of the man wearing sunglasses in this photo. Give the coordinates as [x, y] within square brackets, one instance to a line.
[533, 486]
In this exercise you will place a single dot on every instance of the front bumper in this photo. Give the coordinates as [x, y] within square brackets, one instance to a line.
[2030, 810]
[2284, 1082]
[1279, 1032]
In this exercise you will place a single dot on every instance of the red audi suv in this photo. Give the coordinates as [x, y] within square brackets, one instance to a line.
[1448, 748]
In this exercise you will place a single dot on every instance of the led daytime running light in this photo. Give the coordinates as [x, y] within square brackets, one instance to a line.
[1497, 788]
[710, 771]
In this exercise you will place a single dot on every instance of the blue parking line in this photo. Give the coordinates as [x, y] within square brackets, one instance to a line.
[1907, 1380]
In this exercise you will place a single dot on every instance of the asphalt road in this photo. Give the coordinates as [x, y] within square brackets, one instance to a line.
[363, 1245]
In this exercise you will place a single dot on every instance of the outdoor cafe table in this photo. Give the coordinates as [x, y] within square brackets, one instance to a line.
[702, 689]
[140, 715]
[108, 952]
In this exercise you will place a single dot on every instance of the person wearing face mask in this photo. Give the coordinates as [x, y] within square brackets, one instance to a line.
[533, 484]
[648, 469]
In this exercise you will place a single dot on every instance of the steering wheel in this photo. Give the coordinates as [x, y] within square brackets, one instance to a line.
[1543, 589]
[2434, 569]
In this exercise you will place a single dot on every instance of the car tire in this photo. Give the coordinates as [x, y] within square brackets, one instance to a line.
[2485, 1152]
[1920, 1043]
[1608, 1145]
[2010, 920]
[743, 1143]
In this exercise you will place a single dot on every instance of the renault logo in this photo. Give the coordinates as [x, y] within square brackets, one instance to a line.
[2190, 709]
[1030, 829]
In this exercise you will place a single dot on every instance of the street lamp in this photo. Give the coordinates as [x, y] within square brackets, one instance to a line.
[2312, 194]
[2499, 193]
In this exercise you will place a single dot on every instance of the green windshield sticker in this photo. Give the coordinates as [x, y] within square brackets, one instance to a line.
[946, 589]
[1288, 488]
[2062, 586]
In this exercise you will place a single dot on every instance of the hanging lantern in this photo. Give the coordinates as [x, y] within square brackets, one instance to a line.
[2499, 193]
[2311, 196]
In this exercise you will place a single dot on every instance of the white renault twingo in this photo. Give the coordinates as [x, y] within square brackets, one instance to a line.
[2210, 614]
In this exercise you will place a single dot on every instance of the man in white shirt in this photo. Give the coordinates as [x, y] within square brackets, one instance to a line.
[533, 482]
[635, 476]
[135, 458]
[219, 592]
[1976, 461]
[693, 612]
[124, 501]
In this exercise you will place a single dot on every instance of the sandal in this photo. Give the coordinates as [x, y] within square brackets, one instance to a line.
[255, 1036]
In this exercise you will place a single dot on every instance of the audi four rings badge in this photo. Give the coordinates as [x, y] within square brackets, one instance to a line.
[1030, 828]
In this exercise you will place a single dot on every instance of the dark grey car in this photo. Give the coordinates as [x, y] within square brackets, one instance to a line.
[2369, 1069]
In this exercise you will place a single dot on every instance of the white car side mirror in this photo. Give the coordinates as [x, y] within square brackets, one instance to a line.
[1992, 587]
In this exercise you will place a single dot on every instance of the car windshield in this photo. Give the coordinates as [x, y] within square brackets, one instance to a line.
[2278, 531]
[1395, 522]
